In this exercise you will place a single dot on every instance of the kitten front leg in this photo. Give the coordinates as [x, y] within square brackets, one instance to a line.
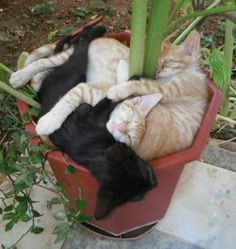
[135, 88]
[82, 93]
[22, 76]
[124, 90]
[122, 71]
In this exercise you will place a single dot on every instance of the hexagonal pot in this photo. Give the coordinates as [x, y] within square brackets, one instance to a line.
[168, 169]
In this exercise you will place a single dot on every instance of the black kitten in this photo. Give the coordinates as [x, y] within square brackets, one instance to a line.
[122, 175]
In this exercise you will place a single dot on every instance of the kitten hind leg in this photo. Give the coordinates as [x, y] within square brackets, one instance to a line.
[22, 76]
[41, 52]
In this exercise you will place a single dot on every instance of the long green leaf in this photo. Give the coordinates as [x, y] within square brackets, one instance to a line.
[177, 7]
[138, 34]
[156, 30]
[6, 69]
[19, 95]
[193, 24]
[202, 13]
[228, 55]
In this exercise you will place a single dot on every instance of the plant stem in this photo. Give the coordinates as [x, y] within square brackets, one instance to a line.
[6, 69]
[206, 12]
[193, 24]
[156, 30]
[19, 95]
[228, 55]
[137, 42]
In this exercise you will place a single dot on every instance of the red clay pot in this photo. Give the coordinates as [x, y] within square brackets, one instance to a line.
[168, 169]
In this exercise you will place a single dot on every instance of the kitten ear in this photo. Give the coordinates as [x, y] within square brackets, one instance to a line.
[192, 43]
[165, 45]
[145, 103]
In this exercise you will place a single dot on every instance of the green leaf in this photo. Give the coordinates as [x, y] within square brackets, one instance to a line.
[5, 68]
[25, 117]
[34, 112]
[65, 31]
[0, 210]
[81, 12]
[60, 215]
[83, 218]
[8, 208]
[39, 148]
[51, 35]
[70, 170]
[54, 201]
[62, 231]
[22, 208]
[37, 230]
[80, 204]
[25, 218]
[16, 136]
[10, 194]
[24, 198]
[8, 216]
[78, 20]
[19, 186]
[36, 158]
[4, 167]
[36, 213]
[9, 226]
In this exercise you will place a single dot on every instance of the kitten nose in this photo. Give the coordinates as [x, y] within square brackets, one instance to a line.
[119, 127]
[122, 128]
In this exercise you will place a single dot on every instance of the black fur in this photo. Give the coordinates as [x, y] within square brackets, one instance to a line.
[122, 175]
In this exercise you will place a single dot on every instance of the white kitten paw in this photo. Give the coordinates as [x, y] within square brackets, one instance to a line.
[47, 124]
[116, 93]
[19, 78]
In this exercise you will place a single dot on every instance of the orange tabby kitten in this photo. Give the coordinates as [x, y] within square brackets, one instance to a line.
[172, 124]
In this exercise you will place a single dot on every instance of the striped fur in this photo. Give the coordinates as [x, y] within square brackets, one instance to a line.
[172, 124]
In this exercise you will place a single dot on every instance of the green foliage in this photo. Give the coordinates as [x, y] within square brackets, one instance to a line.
[43, 8]
[52, 34]
[216, 61]
[70, 170]
[66, 30]
[207, 41]
[23, 165]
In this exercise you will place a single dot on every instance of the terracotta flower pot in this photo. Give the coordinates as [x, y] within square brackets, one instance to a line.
[168, 169]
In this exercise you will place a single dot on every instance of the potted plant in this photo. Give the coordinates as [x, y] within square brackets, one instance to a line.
[81, 184]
